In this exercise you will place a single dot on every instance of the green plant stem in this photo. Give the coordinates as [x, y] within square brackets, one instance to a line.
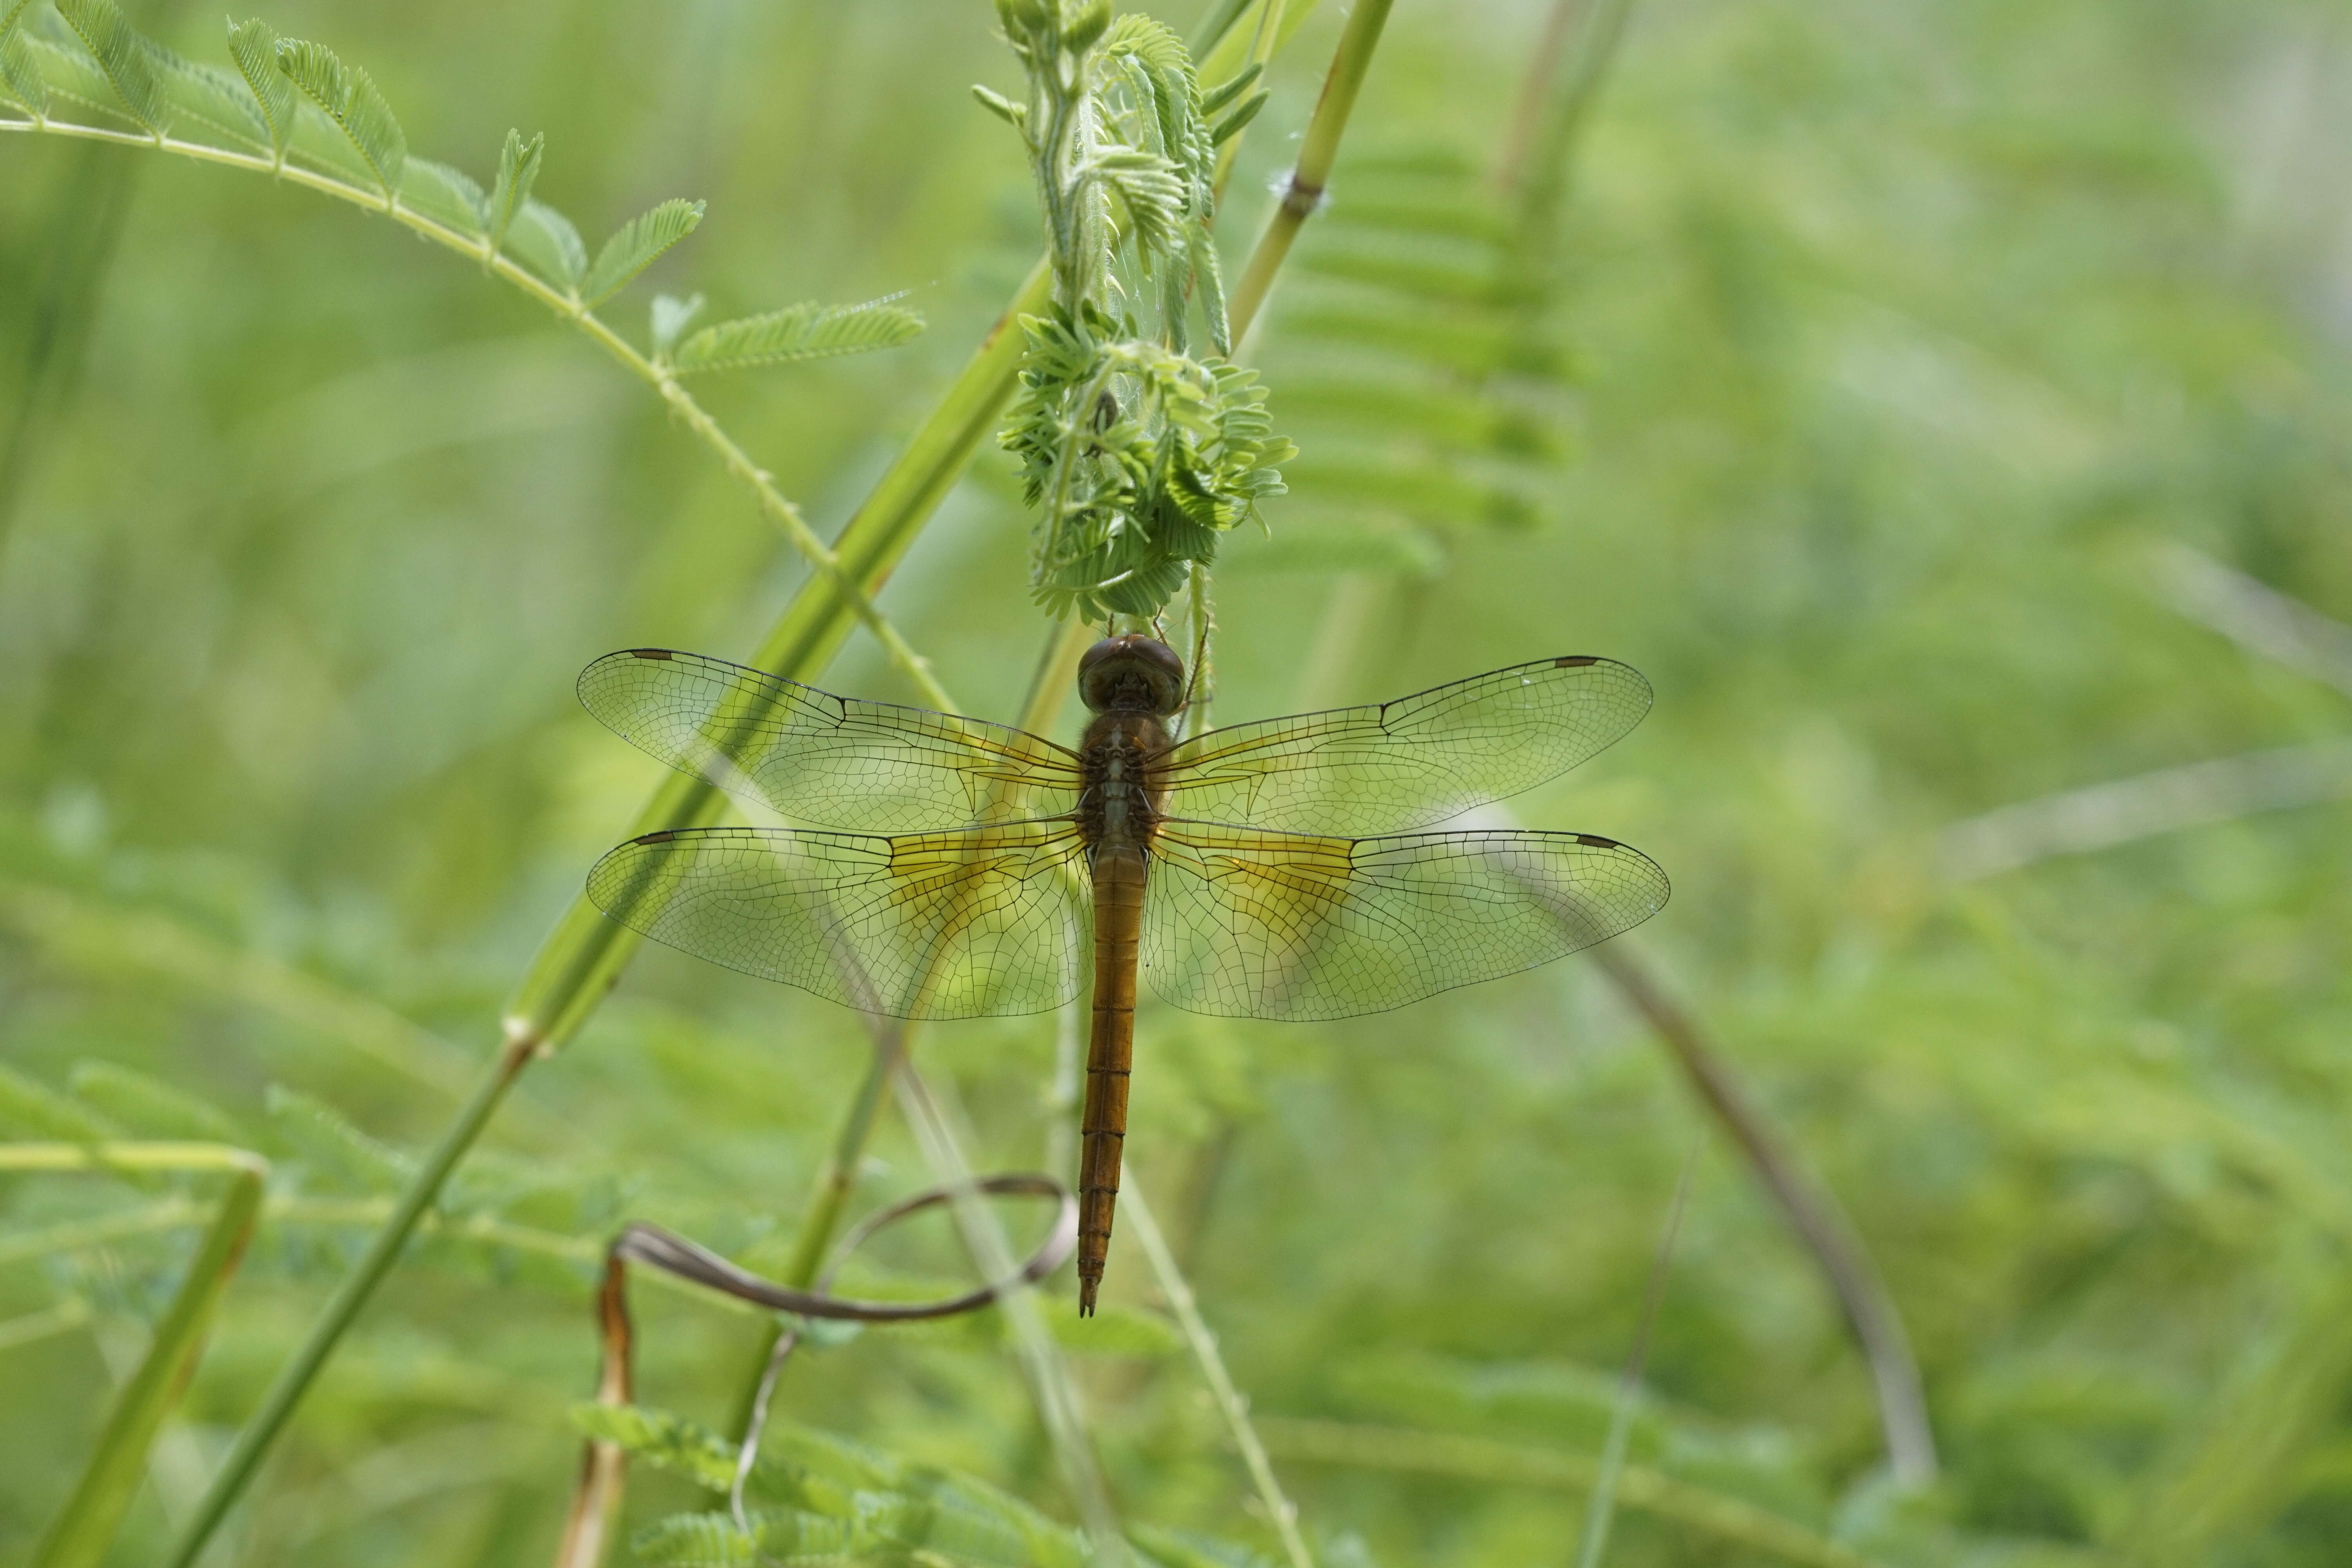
[1231, 1402]
[846, 583]
[278, 1405]
[1318, 149]
[84, 1528]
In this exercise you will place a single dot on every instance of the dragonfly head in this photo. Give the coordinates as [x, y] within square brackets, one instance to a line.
[1132, 674]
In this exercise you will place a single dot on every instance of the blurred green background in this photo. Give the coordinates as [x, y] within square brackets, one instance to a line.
[1921, 395]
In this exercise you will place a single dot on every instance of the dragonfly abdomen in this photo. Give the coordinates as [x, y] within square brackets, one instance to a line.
[1118, 875]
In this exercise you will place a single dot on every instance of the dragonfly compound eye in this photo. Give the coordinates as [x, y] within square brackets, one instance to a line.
[1131, 672]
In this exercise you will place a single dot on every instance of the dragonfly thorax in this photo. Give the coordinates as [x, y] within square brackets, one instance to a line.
[1116, 805]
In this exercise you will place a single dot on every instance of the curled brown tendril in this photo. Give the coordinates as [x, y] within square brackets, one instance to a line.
[595, 1502]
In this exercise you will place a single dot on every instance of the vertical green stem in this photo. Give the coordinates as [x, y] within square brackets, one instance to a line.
[1317, 152]
[278, 1407]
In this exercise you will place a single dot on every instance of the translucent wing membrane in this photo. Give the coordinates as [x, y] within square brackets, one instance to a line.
[931, 926]
[838, 762]
[1409, 762]
[1274, 925]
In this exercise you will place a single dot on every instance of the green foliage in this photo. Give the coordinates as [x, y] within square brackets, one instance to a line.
[518, 167]
[338, 1148]
[635, 246]
[1887, 355]
[824, 1498]
[253, 44]
[148, 1107]
[797, 332]
[20, 80]
[122, 54]
[293, 100]
[1139, 455]
[349, 98]
[1421, 366]
[1144, 455]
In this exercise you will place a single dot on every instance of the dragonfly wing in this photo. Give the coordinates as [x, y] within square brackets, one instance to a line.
[1410, 763]
[838, 761]
[978, 923]
[1276, 925]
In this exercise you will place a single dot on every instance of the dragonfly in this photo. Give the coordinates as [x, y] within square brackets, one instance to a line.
[950, 868]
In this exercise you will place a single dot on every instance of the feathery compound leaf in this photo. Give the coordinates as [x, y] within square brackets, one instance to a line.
[671, 316]
[636, 245]
[20, 81]
[122, 54]
[349, 97]
[544, 239]
[254, 45]
[203, 98]
[322, 1134]
[518, 167]
[446, 194]
[799, 333]
[664, 1441]
[778, 1535]
[10, 11]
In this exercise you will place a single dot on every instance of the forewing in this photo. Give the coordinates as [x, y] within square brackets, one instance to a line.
[928, 925]
[1276, 925]
[1409, 762]
[838, 762]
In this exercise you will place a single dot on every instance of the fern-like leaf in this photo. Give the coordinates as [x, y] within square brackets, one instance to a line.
[545, 240]
[799, 333]
[518, 167]
[122, 55]
[349, 97]
[671, 316]
[662, 1440]
[445, 193]
[20, 83]
[322, 1133]
[635, 246]
[202, 98]
[254, 45]
[786, 1536]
